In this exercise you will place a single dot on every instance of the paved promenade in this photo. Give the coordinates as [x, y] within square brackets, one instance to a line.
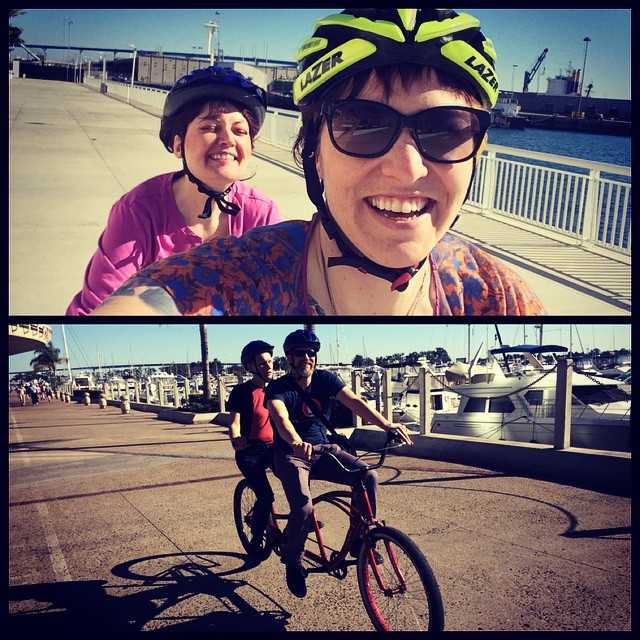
[74, 152]
[124, 523]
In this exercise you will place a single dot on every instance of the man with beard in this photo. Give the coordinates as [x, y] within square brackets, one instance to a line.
[300, 439]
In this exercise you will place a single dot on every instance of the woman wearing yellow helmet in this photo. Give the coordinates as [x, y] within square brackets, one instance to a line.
[395, 109]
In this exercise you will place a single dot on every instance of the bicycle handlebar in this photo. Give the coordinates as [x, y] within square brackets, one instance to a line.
[392, 437]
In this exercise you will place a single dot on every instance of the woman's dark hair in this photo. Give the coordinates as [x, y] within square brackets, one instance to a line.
[177, 124]
[351, 87]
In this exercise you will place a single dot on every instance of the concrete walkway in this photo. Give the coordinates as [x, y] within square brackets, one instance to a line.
[122, 523]
[74, 152]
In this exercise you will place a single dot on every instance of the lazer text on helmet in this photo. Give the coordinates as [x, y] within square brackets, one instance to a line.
[486, 72]
[320, 68]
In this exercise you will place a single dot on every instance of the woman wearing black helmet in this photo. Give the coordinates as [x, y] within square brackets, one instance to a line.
[395, 109]
[210, 121]
[251, 433]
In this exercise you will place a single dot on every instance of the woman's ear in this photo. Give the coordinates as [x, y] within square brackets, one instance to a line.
[177, 146]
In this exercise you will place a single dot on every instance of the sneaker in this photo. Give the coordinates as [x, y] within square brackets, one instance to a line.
[296, 580]
[355, 552]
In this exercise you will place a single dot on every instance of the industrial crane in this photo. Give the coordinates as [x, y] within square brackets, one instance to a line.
[528, 75]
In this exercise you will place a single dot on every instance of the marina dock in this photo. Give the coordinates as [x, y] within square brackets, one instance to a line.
[74, 152]
[124, 523]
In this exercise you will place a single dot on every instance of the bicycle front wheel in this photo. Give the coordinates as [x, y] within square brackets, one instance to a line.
[244, 501]
[398, 588]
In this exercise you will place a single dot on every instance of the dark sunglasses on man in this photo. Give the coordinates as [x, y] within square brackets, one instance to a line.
[368, 129]
[301, 353]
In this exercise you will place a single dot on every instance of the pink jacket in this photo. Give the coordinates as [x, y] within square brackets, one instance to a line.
[146, 225]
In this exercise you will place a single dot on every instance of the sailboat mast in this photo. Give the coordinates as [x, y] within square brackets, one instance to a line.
[66, 352]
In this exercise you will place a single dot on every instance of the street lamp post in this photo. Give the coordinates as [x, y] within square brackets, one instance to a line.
[133, 69]
[67, 26]
[513, 70]
[586, 41]
[211, 26]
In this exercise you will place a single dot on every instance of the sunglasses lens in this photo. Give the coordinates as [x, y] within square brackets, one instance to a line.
[449, 134]
[300, 353]
[362, 128]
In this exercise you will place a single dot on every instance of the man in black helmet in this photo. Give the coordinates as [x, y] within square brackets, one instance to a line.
[251, 433]
[300, 439]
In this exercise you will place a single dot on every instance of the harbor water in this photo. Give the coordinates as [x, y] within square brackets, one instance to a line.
[574, 144]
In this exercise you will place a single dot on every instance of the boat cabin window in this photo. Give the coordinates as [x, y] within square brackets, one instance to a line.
[534, 397]
[436, 402]
[482, 377]
[476, 405]
[501, 405]
[598, 394]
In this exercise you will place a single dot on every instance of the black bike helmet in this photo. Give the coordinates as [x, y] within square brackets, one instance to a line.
[213, 83]
[252, 349]
[301, 338]
[355, 40]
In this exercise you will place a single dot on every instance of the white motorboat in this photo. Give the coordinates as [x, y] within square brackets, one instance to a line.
[516, 401]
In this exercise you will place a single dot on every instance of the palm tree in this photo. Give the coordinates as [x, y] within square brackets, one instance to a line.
[48, 357]
[204, 350]
[14, 32]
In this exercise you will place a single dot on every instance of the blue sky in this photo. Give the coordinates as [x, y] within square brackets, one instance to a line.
[138, 344]
[519, 35]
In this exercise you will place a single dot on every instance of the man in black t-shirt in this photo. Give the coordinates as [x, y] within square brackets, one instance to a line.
[300, 439]
[251, 434]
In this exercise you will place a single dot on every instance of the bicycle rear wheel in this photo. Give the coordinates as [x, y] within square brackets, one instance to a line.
[404, 595]
[244, 500]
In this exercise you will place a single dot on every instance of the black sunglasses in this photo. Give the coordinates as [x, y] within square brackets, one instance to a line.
[300, 353]
[367, 129]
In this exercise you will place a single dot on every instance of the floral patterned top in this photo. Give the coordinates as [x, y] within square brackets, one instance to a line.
[263, 273]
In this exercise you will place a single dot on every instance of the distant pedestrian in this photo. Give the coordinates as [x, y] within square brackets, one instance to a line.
[33, 393]
[22, 395]
[210, 121]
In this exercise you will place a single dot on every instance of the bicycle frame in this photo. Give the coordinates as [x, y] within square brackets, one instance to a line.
[388, 563]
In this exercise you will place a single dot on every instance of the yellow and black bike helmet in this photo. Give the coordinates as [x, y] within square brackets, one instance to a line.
[354, 40]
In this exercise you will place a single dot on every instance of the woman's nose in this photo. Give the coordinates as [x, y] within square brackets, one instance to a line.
[225, 134]
[404, 160]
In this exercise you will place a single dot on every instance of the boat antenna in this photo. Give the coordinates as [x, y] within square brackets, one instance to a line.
[472, 363]
[504, 355]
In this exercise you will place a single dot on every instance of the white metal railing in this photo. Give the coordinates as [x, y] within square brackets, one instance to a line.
[586, 202]
[569, 196]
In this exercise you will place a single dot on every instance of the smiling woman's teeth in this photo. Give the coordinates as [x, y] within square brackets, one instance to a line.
[399, 207]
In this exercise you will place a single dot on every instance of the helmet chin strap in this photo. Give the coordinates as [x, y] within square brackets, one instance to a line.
[351, 255]
[466, 197]
[230, 208]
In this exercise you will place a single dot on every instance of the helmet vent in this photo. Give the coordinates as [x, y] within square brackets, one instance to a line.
[408, 18]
